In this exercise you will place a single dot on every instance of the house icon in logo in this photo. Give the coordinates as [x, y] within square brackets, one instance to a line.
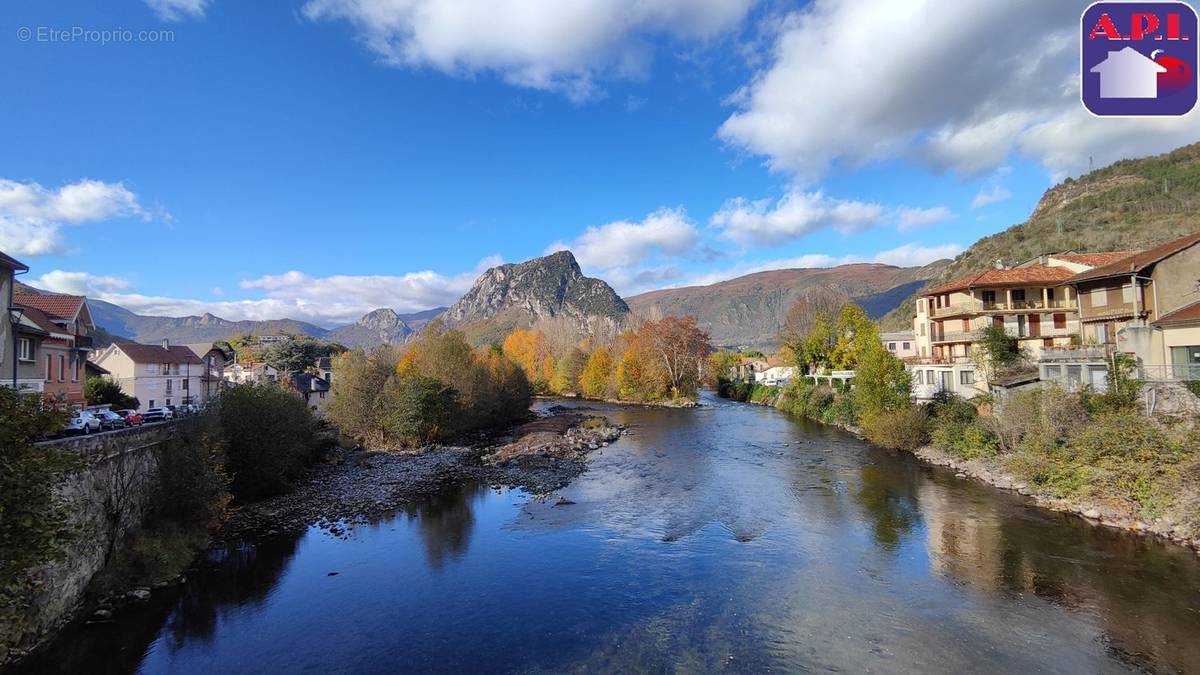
[1128, 74]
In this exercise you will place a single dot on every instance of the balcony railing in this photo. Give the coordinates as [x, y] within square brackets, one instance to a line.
[978, 306]
[1172, 373]
[957, 309]
[1075, 353]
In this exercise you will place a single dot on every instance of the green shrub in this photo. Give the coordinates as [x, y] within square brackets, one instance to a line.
[841, 411]
[901, 429]
[33, 519]
[819, 398]
[414, 409]
[193, 487]
[269, 439]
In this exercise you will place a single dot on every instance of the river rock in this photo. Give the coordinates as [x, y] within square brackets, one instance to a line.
[1093, 514]
[102, 614]
[138, 594]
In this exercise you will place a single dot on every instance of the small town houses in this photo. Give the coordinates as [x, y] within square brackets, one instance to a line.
[46, 347]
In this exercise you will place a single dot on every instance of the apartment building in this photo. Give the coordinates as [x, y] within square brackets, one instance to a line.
[62, 353]
[900, 344]
[1145, 305]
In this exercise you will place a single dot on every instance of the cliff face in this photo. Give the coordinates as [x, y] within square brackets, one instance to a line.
[521, 294]
[381, 326]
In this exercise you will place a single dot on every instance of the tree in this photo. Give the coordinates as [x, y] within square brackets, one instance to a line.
[33, 518]
[678, 347]
[269, 438]
[720, 364]
[414, 409]
[99, 391]
[997, 351]
[880, 381]
[567, 371]
[855, 336]
[360, 379]
[531, 351]
[597, 374]
[299, 354]
[815, 305]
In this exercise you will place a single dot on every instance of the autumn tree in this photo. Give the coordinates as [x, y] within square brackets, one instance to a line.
[677, 347]
[854, 335]
[597, 374]
[531, 351]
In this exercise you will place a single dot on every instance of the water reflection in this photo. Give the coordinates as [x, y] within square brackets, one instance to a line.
[446, 522]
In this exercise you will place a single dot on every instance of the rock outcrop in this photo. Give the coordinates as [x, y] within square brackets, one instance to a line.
[381, 326]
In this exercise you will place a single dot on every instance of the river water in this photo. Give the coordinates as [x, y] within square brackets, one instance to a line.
[727, 537]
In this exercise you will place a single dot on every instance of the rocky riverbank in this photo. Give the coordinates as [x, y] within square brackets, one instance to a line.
[1112, 514]
[358, 485]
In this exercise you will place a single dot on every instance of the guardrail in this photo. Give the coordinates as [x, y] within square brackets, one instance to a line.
[1170, 373]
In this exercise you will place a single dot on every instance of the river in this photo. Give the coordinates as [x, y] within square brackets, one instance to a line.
[726, 537]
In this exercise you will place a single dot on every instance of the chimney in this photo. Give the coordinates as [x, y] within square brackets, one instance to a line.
[166, 343]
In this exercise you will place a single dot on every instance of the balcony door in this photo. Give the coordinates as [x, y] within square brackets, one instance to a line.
[1035, 325]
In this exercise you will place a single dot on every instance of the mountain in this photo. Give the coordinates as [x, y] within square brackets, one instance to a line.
[417, 320]
[1132, 204]
[516, 295]
[748, 311]
[381, 326]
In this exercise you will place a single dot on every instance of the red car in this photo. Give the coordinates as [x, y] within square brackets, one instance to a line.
[132, 418]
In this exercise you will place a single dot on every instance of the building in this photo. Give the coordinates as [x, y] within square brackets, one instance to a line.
[214, 359]
[313, 388]
[1034, 302]
[324, 366]
[1144, 305]
[748, 367]
[157, 375]
[1181, 342]
[900, 345]
[238, 373]
[63, 353]
[776, 374]
[10, 347]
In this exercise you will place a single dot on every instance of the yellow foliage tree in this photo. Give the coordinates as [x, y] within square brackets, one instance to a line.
[597, 373]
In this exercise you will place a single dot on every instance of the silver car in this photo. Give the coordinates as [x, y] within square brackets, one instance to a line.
[82, 422]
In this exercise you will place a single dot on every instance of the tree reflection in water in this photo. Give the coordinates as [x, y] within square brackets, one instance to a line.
[445, 522]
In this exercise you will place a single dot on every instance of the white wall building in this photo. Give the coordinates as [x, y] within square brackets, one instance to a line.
[157, 375]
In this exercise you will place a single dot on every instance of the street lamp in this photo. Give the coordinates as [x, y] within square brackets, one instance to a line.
[14, 318]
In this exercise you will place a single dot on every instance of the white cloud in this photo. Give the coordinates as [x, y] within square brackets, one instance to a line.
[178, 10]
[326, 301]
[915, 255]
[855, 81]
[911, 219]
[31, 216]
[542, 44]
[795, 215]
[986, 197]
[623, 243]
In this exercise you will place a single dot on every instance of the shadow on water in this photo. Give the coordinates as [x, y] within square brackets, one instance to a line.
[729, 537]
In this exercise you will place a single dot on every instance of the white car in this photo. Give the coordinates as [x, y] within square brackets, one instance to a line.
[82, 422]
[159, 414]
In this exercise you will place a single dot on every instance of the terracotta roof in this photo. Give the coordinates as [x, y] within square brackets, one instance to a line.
[156, 354]
[1139, 261]
[1039, 275]
[1186, 314]
[1095, 259]
[12, 263]
[59, 307]
[39, 319]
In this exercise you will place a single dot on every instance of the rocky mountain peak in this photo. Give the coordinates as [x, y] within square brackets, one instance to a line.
[382, 325]
[546, 287]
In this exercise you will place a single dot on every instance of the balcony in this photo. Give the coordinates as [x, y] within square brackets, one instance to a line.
[1027, 305]
[956, 310]
[1075, 353]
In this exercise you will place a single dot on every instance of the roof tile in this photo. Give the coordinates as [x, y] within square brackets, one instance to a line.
[1139, 261]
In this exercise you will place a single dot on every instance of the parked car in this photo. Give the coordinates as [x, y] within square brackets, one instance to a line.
[159, 415]
[132, 418]
[82, 422]
[109, 419]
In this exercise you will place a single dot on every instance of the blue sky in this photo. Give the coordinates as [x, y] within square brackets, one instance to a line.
[320, 158]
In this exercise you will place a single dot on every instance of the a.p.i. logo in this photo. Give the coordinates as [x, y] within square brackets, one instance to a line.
[1139, 58]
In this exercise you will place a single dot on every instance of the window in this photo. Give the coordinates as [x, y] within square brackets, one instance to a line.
[891, 346]
[75, 371]
[920, 307]
[168, 402]
[168, 387]
[321, 394]
[1050, 294]
[929, 377]
[966, 377]
[1127, 294]
[989, 296]
[1047, 342]
[62, 368]
[1060, 321]
[152, 368]
[184, 384]
[1018, 295]
[922, 329]
[49, 366]
[1053, 372]
[25, 349]
[1074, 376]
[966, 325]
[151, 403]
[1099, 297]
[906, 346]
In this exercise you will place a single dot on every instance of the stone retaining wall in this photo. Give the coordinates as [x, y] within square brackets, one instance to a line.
[108, 498]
